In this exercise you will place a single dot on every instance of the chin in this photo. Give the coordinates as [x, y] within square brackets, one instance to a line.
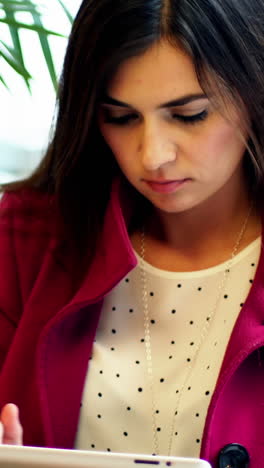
[171, 208]
[175, 207]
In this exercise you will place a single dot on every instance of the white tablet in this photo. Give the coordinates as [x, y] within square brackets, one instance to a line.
[32, 457]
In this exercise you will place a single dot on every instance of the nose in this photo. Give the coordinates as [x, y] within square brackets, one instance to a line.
[156, 148]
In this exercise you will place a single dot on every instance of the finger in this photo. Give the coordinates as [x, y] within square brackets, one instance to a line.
[1, 432]
[12, 429]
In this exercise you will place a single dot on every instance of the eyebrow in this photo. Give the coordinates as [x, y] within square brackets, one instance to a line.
[182, 101]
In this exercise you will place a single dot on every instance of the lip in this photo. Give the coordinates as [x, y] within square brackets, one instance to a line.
[165, 186]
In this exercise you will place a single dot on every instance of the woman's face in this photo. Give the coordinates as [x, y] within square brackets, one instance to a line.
[167, 138]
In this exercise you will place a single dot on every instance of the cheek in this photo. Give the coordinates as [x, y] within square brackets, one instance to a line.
[223, 146]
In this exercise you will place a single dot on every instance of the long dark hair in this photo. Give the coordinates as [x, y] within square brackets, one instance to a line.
[225, 40]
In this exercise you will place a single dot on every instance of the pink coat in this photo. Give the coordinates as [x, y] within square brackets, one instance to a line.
[48, 322]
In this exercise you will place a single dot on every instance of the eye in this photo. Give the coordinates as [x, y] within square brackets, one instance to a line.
[126, 119]
[121, 120]
[191, 119]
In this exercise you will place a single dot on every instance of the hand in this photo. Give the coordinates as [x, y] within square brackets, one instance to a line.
[11, 431]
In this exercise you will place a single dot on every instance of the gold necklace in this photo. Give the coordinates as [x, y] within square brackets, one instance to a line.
[147, 334]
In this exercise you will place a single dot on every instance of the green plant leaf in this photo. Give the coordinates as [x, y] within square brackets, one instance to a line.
[8, 3]
[11, 58]
[69, 16]
[46, 51]
[18, 6]
[11, 51]
[16, 42]
[31, 27]
[4, 82]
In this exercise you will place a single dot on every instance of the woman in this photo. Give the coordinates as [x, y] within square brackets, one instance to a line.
[131, 273]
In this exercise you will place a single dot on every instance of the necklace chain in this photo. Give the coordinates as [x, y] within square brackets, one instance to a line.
[205, 330]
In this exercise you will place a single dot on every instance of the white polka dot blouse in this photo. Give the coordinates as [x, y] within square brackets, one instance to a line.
[117, 406]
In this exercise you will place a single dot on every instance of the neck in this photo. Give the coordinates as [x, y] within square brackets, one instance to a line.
[213, 225]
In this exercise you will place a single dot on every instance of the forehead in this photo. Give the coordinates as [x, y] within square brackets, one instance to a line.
[162, 73]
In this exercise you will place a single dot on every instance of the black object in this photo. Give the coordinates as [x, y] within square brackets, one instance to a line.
[233, 456]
